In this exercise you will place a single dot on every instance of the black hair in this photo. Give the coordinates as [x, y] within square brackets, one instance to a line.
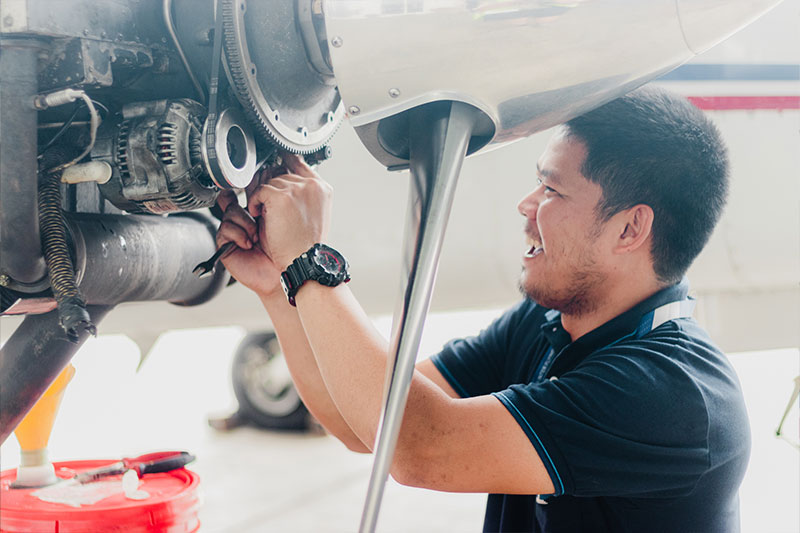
[653, 147]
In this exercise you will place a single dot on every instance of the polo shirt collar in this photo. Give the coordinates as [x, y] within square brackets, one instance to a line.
[622, 326]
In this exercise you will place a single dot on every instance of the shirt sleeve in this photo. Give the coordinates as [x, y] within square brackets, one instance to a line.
[625, 422]
[474, 366]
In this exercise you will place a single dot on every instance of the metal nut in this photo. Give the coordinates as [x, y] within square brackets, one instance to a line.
[394, 92]
[354, 110]
[336, 42]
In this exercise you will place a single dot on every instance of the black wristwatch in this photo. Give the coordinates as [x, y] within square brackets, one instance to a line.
[320, 263]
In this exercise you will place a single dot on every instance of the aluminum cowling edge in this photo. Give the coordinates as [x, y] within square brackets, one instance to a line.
[527, 65]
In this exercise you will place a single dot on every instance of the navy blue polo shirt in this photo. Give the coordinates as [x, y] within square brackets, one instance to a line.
[640, 423]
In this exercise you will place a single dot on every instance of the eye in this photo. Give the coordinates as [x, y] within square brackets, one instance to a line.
[546, 188]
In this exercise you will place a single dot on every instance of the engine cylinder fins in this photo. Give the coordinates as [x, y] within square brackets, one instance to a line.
[155, 153]
[293, 105]
[231, 161]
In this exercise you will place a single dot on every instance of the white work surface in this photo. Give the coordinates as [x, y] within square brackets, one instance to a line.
[255, 481]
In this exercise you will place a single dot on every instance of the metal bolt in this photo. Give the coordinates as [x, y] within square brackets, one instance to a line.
[354, 110]
[394, 92]
[86, 31]
[330, 116]
[4, 280]
[336, 42]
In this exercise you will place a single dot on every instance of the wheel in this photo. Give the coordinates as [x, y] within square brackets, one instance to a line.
[263, 386]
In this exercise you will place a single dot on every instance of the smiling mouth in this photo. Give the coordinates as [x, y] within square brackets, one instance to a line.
[535, 247]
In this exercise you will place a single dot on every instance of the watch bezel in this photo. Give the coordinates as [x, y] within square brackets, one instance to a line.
[307, 267]
[323, 275]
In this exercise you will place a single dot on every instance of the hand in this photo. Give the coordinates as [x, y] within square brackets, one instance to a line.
[247, 263]
[294, 211]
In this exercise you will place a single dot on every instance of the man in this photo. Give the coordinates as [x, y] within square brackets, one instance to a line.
[597, 392]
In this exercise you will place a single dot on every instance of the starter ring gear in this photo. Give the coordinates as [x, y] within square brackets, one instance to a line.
[296, 107]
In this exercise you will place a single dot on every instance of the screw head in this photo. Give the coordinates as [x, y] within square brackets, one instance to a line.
[354, 110]
[337, 42]
[394, 92]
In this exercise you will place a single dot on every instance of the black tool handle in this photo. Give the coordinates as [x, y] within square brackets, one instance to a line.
[164, 464]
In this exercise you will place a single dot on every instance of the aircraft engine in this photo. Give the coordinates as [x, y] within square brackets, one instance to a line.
[149, 108]
[159, 157]
[277, 65]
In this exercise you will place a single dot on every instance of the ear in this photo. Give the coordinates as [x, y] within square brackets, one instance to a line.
[636, 226]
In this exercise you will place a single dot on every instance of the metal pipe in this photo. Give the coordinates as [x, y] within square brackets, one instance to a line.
[31, 359]
[439, 136]
[21, 257]
[127, 258]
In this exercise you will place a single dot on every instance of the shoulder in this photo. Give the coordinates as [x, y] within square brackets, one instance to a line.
[676, 373]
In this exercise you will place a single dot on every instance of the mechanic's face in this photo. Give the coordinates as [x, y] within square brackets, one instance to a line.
[564, 265]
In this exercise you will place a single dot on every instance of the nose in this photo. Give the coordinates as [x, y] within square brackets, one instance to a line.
[528, 206]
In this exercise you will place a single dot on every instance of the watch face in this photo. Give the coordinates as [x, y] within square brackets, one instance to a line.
[329, 260]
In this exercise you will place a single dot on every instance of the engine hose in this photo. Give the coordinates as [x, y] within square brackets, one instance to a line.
[72, 312]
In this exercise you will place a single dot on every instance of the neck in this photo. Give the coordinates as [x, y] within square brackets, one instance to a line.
[616, 298]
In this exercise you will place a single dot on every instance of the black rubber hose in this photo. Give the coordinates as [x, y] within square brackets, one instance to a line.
[72, 313]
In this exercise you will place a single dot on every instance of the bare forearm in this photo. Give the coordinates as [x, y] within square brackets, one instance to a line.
[305, 373]
[351, 356]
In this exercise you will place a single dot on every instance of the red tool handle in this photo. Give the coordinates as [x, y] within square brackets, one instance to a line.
[152, 463]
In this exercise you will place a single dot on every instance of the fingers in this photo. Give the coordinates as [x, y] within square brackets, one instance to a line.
[291, 185]
[263, 176]
[239, 216]
[296, 165]
[230, 232]
[258, 199]
[225, 199]
[260, 196]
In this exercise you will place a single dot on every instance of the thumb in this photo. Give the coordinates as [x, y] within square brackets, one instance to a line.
[295, 164]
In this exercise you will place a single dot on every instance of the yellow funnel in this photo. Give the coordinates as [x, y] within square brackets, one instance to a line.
[33, 433]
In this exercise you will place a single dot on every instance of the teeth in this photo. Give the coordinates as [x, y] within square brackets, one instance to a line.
[534, 244]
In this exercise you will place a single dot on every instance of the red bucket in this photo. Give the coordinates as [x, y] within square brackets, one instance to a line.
[172, 506]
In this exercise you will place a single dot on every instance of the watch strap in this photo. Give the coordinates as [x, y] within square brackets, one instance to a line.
[303, 269]
[293, 278]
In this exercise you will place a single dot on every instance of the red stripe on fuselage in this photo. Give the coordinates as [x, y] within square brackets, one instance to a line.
[721, 103]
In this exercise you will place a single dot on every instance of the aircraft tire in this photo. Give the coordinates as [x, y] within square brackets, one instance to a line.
[267, 397]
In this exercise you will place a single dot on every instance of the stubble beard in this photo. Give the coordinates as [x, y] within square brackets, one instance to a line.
[579, 296]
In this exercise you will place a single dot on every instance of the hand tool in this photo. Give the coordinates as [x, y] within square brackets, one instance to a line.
[207, 266]
[150, 463]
